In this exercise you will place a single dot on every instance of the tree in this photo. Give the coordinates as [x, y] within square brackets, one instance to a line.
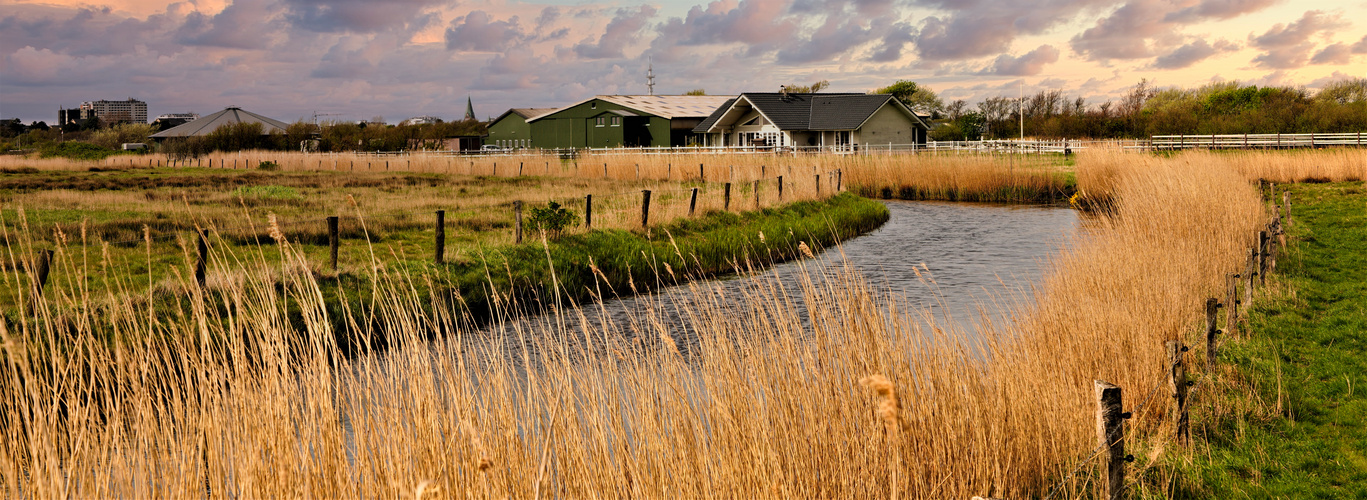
[696, 92]
[920, 99]
[807, 89]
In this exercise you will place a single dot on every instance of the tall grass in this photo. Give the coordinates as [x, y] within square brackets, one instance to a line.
[245, 391]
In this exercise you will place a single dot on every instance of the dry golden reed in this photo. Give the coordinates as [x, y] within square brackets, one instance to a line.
[247, 393]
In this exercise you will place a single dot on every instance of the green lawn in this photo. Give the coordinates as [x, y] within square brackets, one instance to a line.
[1294, 423]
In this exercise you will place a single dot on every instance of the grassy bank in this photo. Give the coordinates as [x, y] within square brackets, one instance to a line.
[1288, 418]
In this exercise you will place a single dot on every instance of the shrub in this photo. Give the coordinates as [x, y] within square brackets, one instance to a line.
[553, 219]
[268, 165]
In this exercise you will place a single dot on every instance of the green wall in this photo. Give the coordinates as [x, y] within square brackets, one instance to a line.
[576, 127]
[512, 127]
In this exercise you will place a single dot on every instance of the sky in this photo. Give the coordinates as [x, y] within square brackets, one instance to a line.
[359, 59]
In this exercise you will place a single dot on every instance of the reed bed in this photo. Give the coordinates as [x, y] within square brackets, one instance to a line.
[244, 391]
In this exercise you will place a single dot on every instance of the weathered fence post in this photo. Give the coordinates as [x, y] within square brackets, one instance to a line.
[1177, 381]
[517, 211]
[756, 195]
[1231, 302]
[519, 168]
[726, 197]
[1212, 305]
[818, 185]
[1110, 435]
[780, 189]
[1262, 257]
[588, 211]
[693, 202]
[41, 267]
[1250, 270]
[839, 176]
[332, 241]
[701, 177]
[645, 208]
[439, 253]
[202, 257]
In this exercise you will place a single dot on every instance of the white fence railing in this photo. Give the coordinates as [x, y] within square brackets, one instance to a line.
[1257, 141]
[1009, 146]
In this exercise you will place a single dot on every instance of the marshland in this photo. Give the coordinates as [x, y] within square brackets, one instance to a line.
[499, 373]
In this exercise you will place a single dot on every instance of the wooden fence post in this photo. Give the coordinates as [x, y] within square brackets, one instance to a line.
[1110, 436]
[645, 208]
[726, 197]
[1262, 257]
[202, 253]
[1212, 306]
[588, 211]
[440, 249]
[1231, 302]
[517, 210]
[1177, 381]
[701, 177]
[780, 189]
[1286, 207]
[1250, 269]
[332, 241]
[41, 267]
[756, 195]
[693, 202]
[839, 176]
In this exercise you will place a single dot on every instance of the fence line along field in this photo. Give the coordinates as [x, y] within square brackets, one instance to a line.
[247, 390]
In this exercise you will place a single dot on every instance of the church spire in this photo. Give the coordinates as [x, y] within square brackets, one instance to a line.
[469, 109]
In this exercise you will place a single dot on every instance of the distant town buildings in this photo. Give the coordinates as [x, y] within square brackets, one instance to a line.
[421, 120]
[169, 120]
[109, 112]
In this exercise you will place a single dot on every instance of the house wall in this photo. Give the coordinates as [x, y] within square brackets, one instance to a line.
[889, 125]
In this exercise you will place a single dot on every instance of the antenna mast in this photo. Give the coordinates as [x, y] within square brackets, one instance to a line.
[650, 77]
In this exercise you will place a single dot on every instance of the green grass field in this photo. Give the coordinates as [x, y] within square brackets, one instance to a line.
[1293, 423]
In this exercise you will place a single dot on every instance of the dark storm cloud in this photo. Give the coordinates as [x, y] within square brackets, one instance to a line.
[1288, 46]
[356, 16]
[624, 30]
[1192, 53]
[1030, 64]
[479, 32]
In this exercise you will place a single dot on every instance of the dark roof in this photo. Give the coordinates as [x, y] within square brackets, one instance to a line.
[206, 125]
[526, 113]
[711, 119]
[807, 111]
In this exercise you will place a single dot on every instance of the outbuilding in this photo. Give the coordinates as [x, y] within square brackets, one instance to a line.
[511, 130]
[624, 121]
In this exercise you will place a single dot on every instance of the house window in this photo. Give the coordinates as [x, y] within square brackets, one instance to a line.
[616, 121]
[598, 121]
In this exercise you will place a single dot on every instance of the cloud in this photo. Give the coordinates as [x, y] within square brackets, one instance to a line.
[1217, 9]
[478, 31]
[356, 16]
[840, 33]
[245, 25]
[1361, 46]
[1030, 64]
[759, 24]
[1288, 46]
[893, 41]
[624, 30]
[1337, 53]
[79, 32]
[1124, 34]
[1192, 53]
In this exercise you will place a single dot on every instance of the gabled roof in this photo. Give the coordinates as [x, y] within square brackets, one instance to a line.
[208, 124]
[809, 111]
[664, 106]
[527, 114]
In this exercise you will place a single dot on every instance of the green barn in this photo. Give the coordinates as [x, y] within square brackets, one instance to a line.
[511, 130]
[610, 121]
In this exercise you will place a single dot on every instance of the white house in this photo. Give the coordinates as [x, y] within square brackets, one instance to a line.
[839, 122]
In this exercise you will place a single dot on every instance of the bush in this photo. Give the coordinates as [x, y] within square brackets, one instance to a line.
[553, 219]
[268, 165]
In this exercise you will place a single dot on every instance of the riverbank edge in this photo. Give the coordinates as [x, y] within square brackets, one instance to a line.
[615, 263]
